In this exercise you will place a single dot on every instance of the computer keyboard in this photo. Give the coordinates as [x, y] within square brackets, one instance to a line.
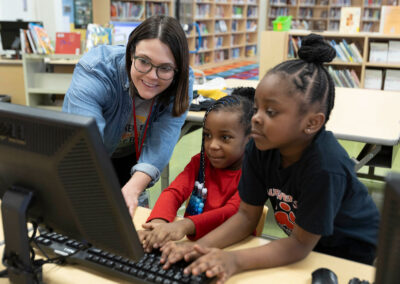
[147, 270]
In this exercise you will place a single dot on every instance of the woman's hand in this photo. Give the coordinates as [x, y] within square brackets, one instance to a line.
[173, 252]
[160, 233]
[214, 262]
[133, 188]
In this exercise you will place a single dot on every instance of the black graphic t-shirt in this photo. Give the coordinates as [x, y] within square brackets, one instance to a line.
[320, 192]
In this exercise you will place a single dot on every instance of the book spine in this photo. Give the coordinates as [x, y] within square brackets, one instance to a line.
[31, 42]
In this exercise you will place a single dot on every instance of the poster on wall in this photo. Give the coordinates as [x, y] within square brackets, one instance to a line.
[350, 19]
[82, 13]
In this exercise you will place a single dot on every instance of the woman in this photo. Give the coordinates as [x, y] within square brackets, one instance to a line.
[150, 81]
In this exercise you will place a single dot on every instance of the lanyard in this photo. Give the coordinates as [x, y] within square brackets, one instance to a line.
[137, 149]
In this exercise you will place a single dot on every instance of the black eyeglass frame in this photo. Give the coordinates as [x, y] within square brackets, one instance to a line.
[151, 67]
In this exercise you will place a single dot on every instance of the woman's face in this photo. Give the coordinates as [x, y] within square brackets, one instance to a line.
[157, 53]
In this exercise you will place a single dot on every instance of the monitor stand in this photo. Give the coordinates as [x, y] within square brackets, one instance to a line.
[16, 257]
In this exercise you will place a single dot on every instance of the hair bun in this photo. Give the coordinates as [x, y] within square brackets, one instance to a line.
[315, 50]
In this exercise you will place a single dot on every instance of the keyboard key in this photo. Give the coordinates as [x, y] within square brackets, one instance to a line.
[150, 277]
[110, 263]
[133, 271]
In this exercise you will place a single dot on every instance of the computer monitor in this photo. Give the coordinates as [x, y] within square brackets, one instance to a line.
[122, 30]
[388, 255]
[10, 34]
[58, 160]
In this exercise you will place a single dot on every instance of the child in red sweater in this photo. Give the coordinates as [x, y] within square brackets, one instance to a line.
[210, 179]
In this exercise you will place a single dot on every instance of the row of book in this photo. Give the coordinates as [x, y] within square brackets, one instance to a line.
[379, 79]
[126, 10]
[385, 52]
[347, 52]
[35, 40]
[134, 11]
[153, 8]
[344, 77]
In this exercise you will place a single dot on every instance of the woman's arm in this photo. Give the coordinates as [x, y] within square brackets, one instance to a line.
[133, 188]
[161, 139]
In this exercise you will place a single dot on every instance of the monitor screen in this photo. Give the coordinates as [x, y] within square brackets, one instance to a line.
[9, 33]
[61, 159]
[122, 30]
[388, 256]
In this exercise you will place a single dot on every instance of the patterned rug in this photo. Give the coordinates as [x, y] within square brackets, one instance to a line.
[246, 70]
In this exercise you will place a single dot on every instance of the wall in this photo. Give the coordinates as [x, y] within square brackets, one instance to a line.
[47, 11]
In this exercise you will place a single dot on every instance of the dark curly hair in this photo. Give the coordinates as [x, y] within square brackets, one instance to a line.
[308, 75]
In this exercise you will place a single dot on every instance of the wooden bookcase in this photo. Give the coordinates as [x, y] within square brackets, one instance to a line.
[322, 15]
[105, 11]
[277, 44]
[47, 78]
[228, 27]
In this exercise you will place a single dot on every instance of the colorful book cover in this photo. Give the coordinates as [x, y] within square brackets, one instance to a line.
[350, 19]
[68, 43]
[390, 20]
[97, 35]
[41, 38]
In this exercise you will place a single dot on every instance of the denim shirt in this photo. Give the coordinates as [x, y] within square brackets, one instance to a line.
[100, 89]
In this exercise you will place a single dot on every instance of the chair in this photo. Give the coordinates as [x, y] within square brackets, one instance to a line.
[260, 225]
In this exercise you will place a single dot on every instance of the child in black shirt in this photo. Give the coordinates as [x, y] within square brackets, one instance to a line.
[309, 178]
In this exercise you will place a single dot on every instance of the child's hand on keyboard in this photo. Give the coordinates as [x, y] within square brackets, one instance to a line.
[159, 233]
[214, 263]
[173, 252]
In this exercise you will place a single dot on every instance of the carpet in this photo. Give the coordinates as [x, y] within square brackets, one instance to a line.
[245, 70]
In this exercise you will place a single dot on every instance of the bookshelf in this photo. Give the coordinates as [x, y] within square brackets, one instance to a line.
[105, 11]
[322, 15]
[47, 78]
[228, 27]
[279, 49]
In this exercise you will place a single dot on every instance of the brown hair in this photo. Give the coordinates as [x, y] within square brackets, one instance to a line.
[168, 31]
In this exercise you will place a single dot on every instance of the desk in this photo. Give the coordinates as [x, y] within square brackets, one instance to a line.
[360, 115]
[12, 80]
[297, 273]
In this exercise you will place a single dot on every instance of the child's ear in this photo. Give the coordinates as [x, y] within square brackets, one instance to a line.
[314, 123]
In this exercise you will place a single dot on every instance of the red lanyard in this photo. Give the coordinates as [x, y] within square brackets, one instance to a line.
[137, 149]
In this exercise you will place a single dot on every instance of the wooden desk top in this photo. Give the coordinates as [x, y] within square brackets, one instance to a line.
[297, 273]
[362, 115]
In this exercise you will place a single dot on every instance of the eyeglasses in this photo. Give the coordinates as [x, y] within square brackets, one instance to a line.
[163, 71]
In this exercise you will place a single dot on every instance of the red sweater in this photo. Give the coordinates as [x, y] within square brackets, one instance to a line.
[222, 196]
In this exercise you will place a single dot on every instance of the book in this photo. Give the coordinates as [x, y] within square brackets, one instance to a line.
[356, 52]
[350, 19]
[355, 78]
[378, 51]
[68, 43]
[25, 46]
[392, 79]
[31, 42]
[390, 20]
[97, 35]
[373, 79]
[394, 51]
[339, 52]
[346, 52]
[41, 38]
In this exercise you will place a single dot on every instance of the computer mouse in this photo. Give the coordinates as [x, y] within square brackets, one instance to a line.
[324, 276]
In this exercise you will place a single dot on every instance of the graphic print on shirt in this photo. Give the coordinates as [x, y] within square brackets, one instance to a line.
[284, 209]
